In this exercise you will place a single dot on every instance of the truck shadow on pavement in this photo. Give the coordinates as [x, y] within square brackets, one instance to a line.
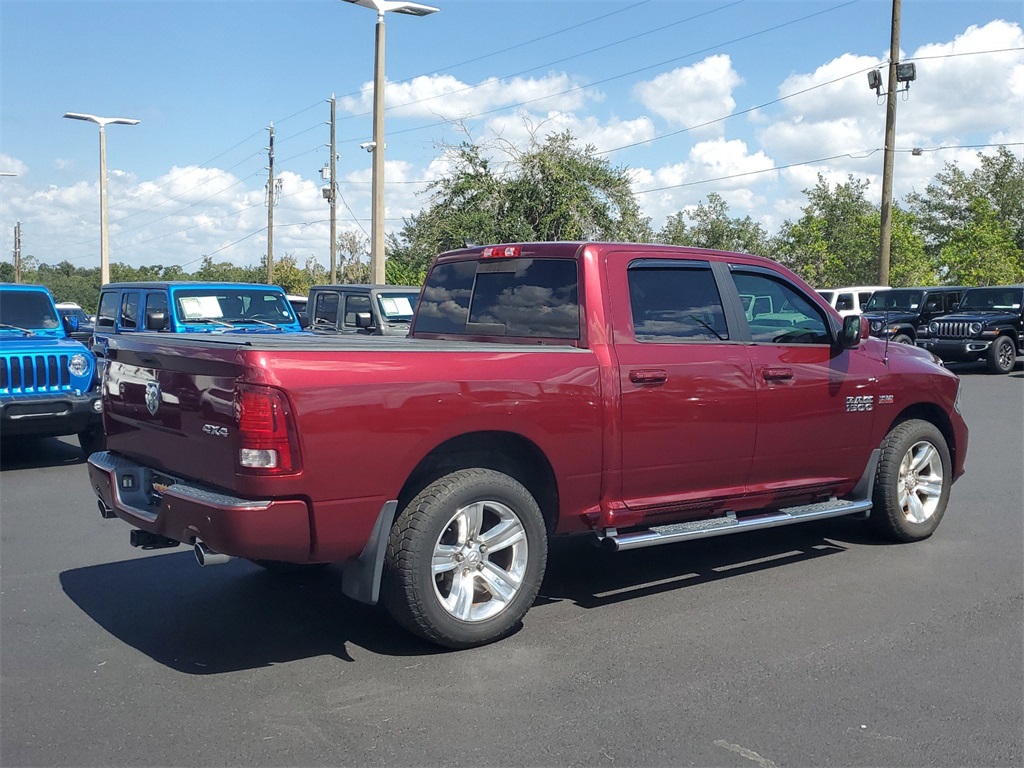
[231, 617]
[36, 452]
[204, 621]
[593, 578]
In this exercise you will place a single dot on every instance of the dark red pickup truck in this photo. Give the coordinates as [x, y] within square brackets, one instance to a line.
[643, 394]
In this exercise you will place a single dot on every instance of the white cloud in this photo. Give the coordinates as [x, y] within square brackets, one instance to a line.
[444, 97]
[692, 96]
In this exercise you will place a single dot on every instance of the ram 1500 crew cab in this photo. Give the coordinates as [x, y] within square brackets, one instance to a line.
[620, 390]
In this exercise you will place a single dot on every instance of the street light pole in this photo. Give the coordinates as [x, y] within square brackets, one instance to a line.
[103, 122]
[377, 185]
[377, 145]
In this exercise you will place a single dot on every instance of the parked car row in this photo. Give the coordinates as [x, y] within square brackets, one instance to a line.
[956, 323]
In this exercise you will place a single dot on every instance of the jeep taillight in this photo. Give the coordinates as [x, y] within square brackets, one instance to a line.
[267, 444]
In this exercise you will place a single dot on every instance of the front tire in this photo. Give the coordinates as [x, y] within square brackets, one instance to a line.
[912, 482]
[902, 338]
[465, 559]
[1001, 356]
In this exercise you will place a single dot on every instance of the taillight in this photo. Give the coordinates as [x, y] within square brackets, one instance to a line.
[267, 443]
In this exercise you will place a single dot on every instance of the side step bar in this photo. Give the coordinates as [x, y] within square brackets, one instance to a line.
[719, 526]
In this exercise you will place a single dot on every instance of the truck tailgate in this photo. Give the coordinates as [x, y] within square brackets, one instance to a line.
[170, 405]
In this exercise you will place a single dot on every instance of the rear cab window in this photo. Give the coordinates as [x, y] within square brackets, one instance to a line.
[526, 298]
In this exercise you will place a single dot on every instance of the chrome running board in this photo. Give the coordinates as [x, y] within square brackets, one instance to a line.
[720, 526]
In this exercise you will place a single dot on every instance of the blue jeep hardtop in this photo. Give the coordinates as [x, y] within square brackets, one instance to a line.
[47, 380]
[194, 307]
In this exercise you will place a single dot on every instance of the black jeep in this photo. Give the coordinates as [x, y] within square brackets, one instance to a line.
[988, 323]
[903, 314]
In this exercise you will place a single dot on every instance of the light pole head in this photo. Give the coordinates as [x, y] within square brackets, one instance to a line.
[102, 121]
[396, 6]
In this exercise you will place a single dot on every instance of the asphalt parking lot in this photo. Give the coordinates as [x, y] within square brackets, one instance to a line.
[813, 645]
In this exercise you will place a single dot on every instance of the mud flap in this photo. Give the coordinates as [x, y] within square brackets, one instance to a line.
[360, 578]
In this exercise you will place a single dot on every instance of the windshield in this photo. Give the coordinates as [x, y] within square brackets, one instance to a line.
[232, 305]
[31, 310]
[902, 300]
[74, 312]
[991, 299]
[397, 307]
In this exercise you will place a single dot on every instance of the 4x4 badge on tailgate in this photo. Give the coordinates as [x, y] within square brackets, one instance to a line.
[213, 429]
[152, 397]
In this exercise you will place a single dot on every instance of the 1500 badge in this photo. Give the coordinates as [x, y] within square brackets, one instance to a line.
[213, 429]
[860, 403]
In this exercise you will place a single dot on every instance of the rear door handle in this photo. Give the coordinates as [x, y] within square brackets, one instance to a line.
[777, 374]
[648, 376]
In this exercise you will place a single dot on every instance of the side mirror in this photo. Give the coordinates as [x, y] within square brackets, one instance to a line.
[70, 323]
[156, 320]
[954, 306]
[855, 328]
[364, 320]
[303, 320]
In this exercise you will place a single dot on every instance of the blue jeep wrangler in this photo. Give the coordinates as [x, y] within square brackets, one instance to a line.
[191, 307]
[48, 383]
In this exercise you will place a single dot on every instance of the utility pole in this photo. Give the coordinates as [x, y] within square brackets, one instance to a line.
[332, 198]
[272, 189]
[889, 152]
[17, 252]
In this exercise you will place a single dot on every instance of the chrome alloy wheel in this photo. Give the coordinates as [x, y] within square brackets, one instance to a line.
[479, 561]
[920, 482]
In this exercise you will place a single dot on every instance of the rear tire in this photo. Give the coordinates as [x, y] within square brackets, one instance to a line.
[911, 483]
[92, 440]
[1001, 356]
[465, 559]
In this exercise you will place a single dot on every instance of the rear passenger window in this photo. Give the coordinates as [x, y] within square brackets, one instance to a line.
[844, 302]
[675, 302]
[353, 306]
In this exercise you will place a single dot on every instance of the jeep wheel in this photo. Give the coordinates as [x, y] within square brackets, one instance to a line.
[911, 483]
[1001, 356]
[92, 440]
[902, 338]
[465, 559]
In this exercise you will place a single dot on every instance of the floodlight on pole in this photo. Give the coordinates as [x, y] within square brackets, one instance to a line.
[377, 146]
[103, 122]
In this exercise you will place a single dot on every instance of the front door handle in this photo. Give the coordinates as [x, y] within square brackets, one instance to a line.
[777, 374]
[648, 376]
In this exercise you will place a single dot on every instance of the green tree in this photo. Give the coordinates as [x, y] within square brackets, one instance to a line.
[552, 190]
[982, 251]
[354, 259]
[945, 205]
[834, 242]
[712, 227]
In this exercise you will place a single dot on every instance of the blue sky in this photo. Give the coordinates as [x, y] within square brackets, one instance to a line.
[691, 97]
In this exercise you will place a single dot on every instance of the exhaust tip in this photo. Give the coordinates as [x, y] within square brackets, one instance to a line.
[105, 512]
[206, 556]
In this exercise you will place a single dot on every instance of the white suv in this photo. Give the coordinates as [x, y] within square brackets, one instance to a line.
[852, 299]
